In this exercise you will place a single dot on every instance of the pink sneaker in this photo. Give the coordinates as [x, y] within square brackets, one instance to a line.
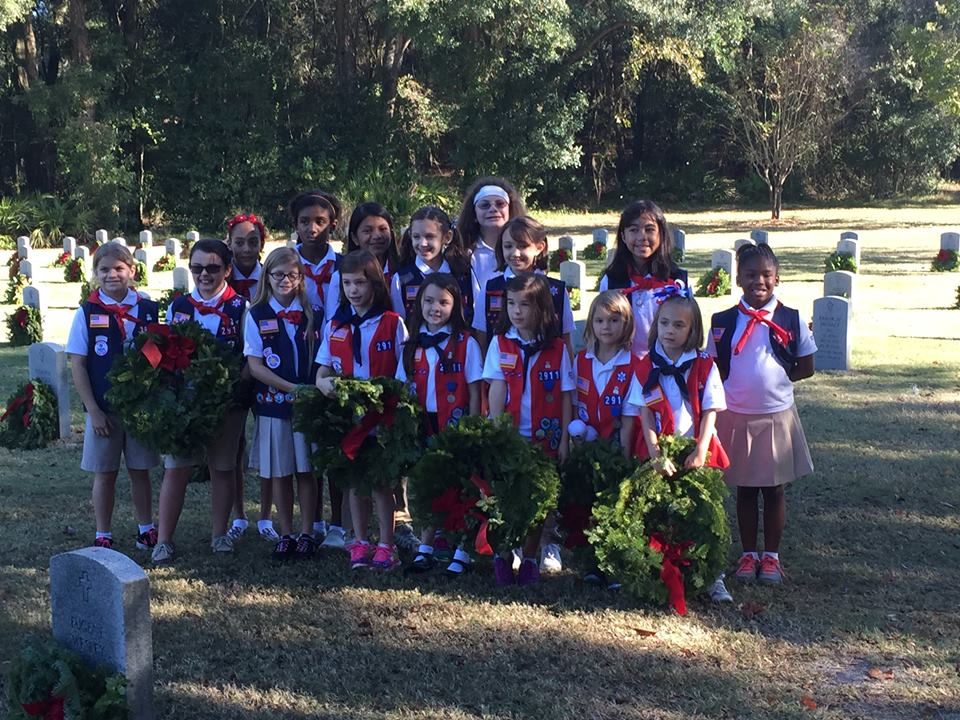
[103, 542]
[747, 567]
[529, 572]
[384, 558]
[771, 572]
[502, 572]
[360, 555]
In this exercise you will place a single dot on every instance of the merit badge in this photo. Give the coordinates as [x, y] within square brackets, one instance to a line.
[451, 386]
[273, 361]
[621, 376]
[582, 413]
[279, 397]
[549, 398]
[100, 347]
[451, 398]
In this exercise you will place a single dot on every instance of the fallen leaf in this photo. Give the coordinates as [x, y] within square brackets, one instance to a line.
[643, 632]
[808, 702]
[878, 674]
[751, 609]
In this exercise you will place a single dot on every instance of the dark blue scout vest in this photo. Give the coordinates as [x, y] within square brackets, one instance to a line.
[724, 324]
[269, 401]
[495, 301]
[676, 273]
[411, 278]
[228, 334]
[100, 352]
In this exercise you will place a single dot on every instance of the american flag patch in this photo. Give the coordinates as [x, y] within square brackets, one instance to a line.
[180, 318]
[269, 326]
[99, 321]
[508, 360]
[583, 384]
[654, 396]
[717, 334]
[496, 302]
[412, 292]
[339, 334]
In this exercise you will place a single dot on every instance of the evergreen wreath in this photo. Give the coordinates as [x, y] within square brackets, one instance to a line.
[62, 259]
[367, 435]
[167, 298]
[594, 251]
[25, 326]
[14, 294]
[714, 283]
[557, 257]
[172, 387]
[31, 418]
[840, 261]
[86, 287]
[48, 681]
[482, 471]
[574, 294]
[683, 515]
[590, 468]
[73, 271]
[165, 263]
[14, 264]
[140, 274]
[945, 261]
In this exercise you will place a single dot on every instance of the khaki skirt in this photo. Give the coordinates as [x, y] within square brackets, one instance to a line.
[764, 450]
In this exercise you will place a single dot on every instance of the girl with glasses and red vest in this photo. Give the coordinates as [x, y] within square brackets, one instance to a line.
[642, 263]
[103, 326]
[371, 228]
[761, 348]
[431, 244]
[530, 376]
[443, 366]
[363, 340]
[316, 214]
[521, 248]
[280, 338]
[219, 310]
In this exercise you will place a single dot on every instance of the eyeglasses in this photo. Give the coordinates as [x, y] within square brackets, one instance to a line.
[279, 276]
[211, 269]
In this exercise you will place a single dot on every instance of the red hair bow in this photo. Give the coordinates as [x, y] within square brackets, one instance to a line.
[250, 218]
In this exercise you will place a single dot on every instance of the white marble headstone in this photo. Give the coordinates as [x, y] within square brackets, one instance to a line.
[23, 246]
[48, 362]
[600, 235]
[851, 247]
[832, 333]
[173, 247]
[680, 243]
[839, 283]
[82, 254]
[740, 242]
[146, 238]
[102, 236]
[950, 241]
[565, 243]
[26, 268]
[726, 259]
[70, 245]
[182, 279]
[849, 235]
[34, 297]
[573, 273]
[192, 237]
[760, 237]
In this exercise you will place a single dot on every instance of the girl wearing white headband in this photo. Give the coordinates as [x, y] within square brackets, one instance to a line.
[487, 207]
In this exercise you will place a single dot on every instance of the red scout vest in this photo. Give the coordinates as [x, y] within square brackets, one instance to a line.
[451, 388]
[696, 381]
[546, 395]
[381, 352]
[603, 411]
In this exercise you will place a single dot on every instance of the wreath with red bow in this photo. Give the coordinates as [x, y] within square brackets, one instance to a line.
[172, 387]
[25, 326]
[483, 483]
[30, 420]
[714, 283]
[663, 536]
[62, 259]
[14, 294]
[594, 251]
[945, 261]
[165, 263]
[73, 271]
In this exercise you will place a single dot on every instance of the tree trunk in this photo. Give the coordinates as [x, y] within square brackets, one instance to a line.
[25, 53]
[79, 39]
[776, 197]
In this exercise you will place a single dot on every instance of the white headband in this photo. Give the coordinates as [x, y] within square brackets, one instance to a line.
[490, 191]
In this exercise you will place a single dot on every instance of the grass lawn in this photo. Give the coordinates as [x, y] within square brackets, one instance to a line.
[866, 627]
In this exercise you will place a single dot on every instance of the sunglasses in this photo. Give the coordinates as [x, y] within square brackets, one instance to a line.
[211, 269]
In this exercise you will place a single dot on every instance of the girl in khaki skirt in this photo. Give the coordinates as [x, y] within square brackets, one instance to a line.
[761, 347]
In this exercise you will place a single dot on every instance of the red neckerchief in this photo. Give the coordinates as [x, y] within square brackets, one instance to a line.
[645, 283]
[120, 311]
[294, 317]
[758, 317]
[228, 294]
[322, 277]
[243, 286]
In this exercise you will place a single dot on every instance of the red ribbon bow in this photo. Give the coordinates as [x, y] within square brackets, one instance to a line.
[321, 277]
[781, 335]
[354, 439]
[50, 709]
[294, 317]
[25, 399]
[670, 573]
[457, 508]
[171, 353]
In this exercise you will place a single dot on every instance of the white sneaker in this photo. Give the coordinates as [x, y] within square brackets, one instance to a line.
[222, 544]
[236, 532]
[269, 534]
[162, 553]
[334, 540]
[718, 591]
[550, 560]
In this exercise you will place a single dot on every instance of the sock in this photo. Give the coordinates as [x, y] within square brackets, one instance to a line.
[145, 528]
[241, 523]
[261, 524]
[104, 534]
[425, 549]
[754, 555]
[461, 556]
[775, 556]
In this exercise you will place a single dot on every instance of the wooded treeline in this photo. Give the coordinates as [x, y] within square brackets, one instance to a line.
[164, 112]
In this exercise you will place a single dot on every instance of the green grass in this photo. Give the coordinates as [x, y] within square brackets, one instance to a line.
[871, 546]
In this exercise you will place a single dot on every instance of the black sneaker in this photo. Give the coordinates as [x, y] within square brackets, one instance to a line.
[305, 546]
[423, 562]
[285, 547]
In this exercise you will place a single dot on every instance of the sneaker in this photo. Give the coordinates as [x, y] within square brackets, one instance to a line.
[384, 558]
[334, 539]
[423, 562]
[162, 553]
[269, 534]
[458, 567]
[222, 544]
[747, 568]
[441, 547]
[771, 572]
[284, 547]
[236, 532]
[147, 540]
[594, 577]
[503, 572]
[405, 539]
[718, 591]
[103, 542]
[550, 561]
[305, 546]
[319, 531]
[361, 554]
[529, 572]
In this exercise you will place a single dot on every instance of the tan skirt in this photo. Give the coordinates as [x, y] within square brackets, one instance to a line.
[764, 450]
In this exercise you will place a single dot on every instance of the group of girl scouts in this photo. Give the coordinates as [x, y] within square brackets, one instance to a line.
[464, 313]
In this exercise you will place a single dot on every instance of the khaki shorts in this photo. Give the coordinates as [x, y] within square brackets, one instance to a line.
[102, 454]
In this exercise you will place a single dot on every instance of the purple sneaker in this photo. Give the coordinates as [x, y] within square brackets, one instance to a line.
[502, 572]
[529, 572]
